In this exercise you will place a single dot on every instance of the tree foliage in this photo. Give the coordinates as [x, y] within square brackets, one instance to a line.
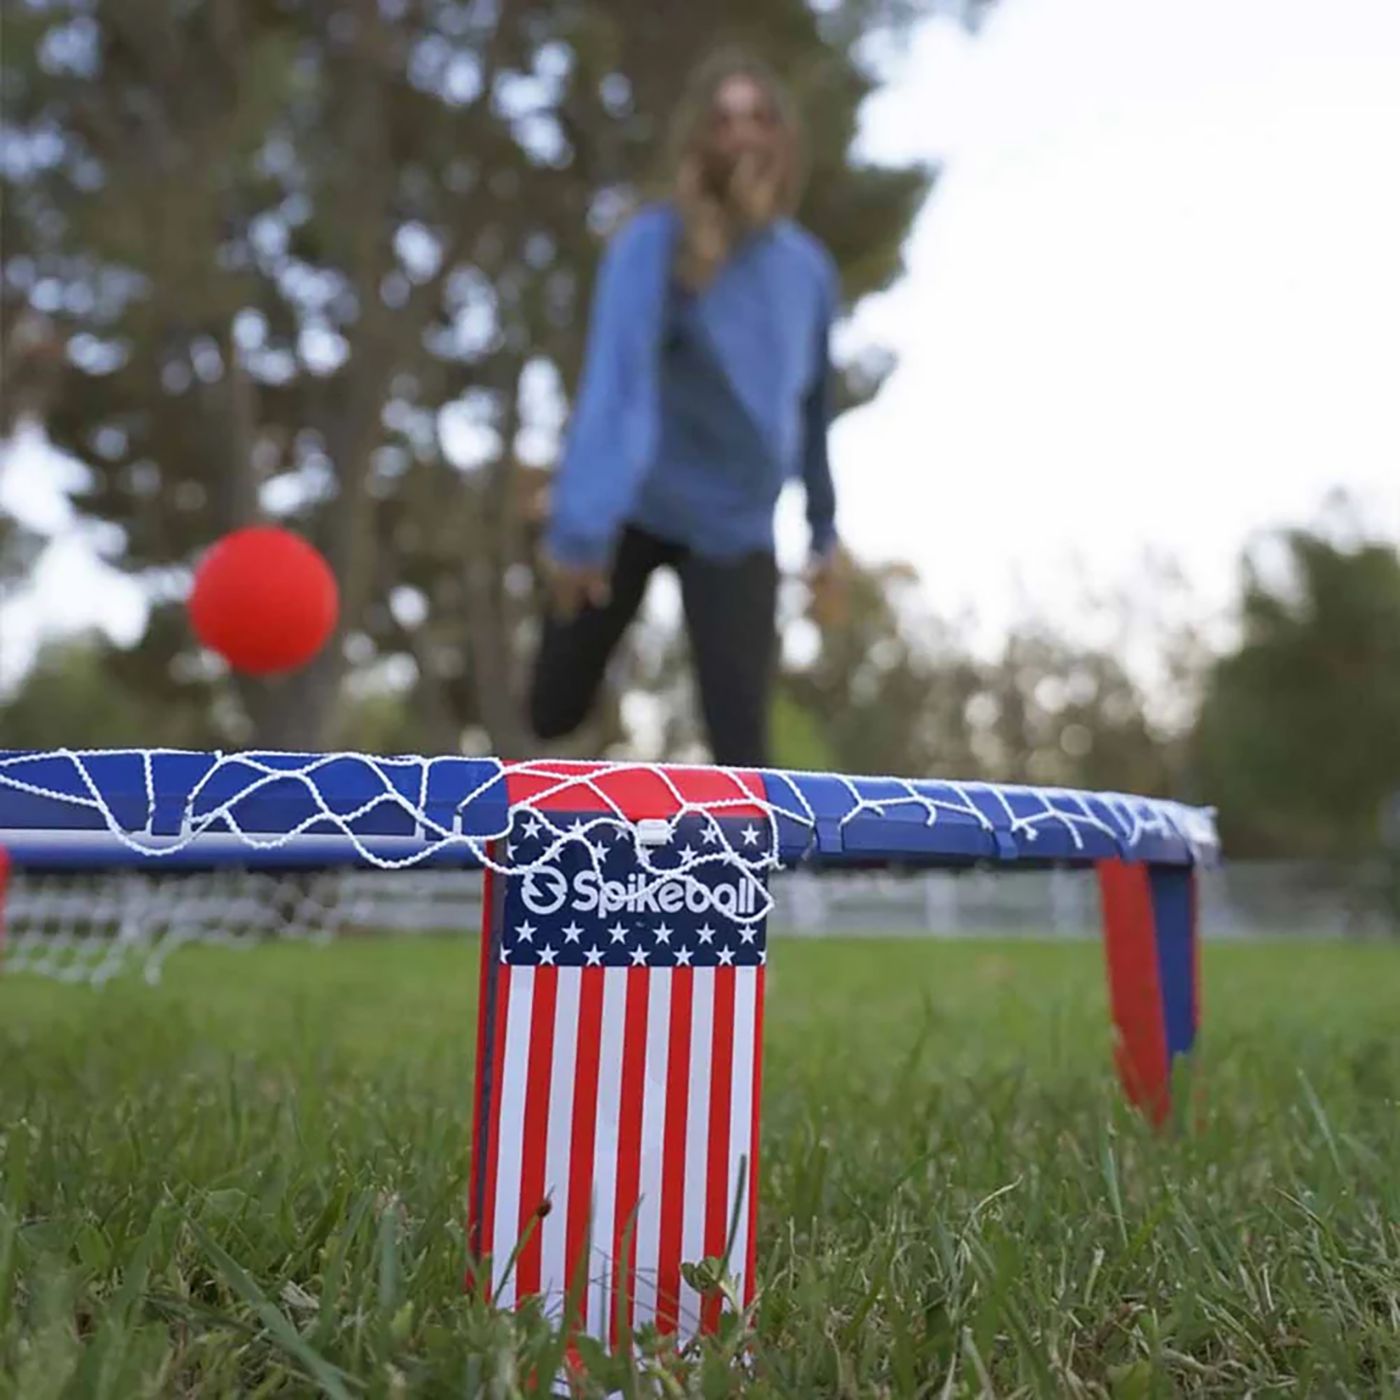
[1299, 734]
[329, 261]
[895, 689]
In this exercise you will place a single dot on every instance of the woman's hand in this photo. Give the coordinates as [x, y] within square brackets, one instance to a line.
[828, 578]
[573, 587]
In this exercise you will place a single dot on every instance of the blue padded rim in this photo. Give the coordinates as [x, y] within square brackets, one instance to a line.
[168, 808]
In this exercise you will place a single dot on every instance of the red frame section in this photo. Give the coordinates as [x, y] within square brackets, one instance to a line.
[1152, 955]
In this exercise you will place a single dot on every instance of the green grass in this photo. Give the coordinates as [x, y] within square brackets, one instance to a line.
[249, 1180]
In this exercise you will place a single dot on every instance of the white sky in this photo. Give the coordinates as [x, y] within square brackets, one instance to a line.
[1153, 303]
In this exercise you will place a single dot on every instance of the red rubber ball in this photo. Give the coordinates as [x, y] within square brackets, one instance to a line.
[264, 599]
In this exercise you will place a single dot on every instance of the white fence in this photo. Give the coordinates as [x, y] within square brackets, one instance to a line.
[89, 927]
[1243, 900]
[1240, 900]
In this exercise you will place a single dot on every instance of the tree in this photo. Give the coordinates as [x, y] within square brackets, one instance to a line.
[1299, 734]
[19, 552]
[889, 684]
[893, 689]
[71, 690]
[330, 260]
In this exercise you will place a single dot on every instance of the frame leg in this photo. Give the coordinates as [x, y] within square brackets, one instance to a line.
[1152, 949]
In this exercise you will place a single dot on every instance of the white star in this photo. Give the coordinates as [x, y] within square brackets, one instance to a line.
[682, 957]
[532, 827]
[762, 956]
[593, 956]
[618, 931]
[547, 956]
[725, 957]
[710, 835]
[600, 849]
[505, 957]
[576, 829]
[663, 933]
[510, 851]
[705, 933]
[746, 932]
[687, 853]
[639, 957]
[525, 932]
[750, 835]
[571, 933]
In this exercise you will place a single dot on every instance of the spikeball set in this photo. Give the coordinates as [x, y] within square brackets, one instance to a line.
[615, 1129]
[619, 1040]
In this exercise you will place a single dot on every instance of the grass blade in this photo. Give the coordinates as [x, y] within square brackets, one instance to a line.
[330, 1378]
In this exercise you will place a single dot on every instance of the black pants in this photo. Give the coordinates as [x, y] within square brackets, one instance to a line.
[729, 614]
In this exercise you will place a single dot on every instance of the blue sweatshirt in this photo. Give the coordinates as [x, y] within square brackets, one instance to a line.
[694, 409]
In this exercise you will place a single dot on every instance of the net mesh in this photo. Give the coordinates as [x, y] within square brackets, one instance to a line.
[90, 926]
[153, 806]
[87, 926]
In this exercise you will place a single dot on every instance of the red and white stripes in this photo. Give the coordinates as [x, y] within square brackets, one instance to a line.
[620, 1130]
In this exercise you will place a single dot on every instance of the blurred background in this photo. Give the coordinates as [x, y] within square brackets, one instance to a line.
[1118, 456]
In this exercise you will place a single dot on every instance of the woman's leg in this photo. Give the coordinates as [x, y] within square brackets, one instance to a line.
[574, 652]
[730, 611]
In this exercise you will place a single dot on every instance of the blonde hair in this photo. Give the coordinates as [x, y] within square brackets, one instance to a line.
[710, 224]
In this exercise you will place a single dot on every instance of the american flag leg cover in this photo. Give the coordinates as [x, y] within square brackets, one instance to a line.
[618, 1076]
[1152, 949]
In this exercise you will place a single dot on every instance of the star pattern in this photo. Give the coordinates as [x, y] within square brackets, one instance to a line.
[611, 909]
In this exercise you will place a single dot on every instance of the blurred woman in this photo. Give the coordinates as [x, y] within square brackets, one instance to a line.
[704, 390]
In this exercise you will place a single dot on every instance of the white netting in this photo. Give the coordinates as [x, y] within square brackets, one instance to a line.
[91, 926]
[552, 781]
[676, 821]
